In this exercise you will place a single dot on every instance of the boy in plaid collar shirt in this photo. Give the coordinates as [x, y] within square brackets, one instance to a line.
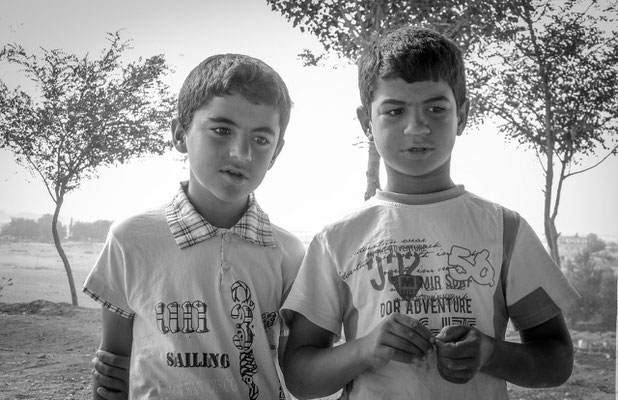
[191, 291]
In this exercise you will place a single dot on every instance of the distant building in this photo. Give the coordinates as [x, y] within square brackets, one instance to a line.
[569, 246]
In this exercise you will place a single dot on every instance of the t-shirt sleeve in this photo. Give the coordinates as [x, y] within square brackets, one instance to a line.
[536, 288]
[295, 251]
[316, 292]
[106, 282]
[293, 257]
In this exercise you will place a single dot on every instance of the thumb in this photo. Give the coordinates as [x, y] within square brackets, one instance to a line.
[451, 333]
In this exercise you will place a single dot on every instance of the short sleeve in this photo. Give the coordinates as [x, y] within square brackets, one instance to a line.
[293, 256]
[316, 292]
[536, 288]
[106, 282]
[294, 251]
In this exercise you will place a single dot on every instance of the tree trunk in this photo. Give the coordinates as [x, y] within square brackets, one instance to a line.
[551, 234]
[61, 252]
[373, 171]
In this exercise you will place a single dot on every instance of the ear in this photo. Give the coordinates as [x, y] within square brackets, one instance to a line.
[365, 122]
[462, 116]
[179, 136]
[276, 153]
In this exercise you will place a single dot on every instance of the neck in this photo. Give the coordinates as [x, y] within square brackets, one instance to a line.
[222, 214]
[435, 181]
[419, 187]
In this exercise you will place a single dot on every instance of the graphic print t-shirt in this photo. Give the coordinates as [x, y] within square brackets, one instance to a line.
[204, 305]
[437, 258]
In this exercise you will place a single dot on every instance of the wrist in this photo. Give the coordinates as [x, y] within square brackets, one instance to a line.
[363, 358]
[488, 347]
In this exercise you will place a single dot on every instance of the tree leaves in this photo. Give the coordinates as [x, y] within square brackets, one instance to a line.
[345, 28]
[85, 113]
[569, 75]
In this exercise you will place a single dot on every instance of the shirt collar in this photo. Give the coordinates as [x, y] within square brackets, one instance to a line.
[420, 199]
[189, 227]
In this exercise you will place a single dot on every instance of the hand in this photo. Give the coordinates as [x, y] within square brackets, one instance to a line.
[399, 338]
[111, 375]
[461, 351]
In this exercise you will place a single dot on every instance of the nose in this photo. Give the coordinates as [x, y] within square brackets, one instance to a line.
[240, 148]
[416, 123]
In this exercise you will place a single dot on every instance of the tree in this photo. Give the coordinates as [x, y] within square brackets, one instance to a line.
[594, 243]
[348, 28]
[597, 287]
[43, 232]
[20, 228]
[86, 113]
[90, 231]
[553, 86]
[29, 229]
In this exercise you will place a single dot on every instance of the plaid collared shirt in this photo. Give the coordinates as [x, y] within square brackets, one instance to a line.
[189, 227]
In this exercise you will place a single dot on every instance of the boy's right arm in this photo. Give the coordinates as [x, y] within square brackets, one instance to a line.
[111, 381]
[313, 368]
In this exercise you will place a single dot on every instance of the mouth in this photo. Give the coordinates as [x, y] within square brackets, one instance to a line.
[417, 152]
[234, 173]
[417, 149]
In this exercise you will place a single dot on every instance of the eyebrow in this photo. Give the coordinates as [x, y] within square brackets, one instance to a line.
[430, 100]
[227, 121]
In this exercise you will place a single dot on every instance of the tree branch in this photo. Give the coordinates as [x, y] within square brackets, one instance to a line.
[610, 153]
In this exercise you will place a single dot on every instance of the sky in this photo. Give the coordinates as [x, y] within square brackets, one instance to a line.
[320, 174]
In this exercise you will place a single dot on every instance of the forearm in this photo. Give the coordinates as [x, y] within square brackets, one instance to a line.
[312, 372]
[539, 363]
[112, 369]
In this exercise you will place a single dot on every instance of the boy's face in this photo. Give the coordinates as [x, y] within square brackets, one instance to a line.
[231, 143]
[414, 126]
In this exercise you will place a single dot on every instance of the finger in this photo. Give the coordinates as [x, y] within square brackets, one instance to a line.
[456, 376]
[415, 332]
[113, 359]
[407, 339]
[111, 395]
[111, 371]
[401, 355]
[406, 346]
[463, 349]
[415, 325]
[452, 333]
[459, 364]
[109, 382]
[457, 371]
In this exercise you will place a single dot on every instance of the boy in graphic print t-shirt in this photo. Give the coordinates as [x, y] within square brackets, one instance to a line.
[424, 278]
[191, 291]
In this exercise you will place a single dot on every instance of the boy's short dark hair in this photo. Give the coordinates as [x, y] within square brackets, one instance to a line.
[413, 54]
[223, 74]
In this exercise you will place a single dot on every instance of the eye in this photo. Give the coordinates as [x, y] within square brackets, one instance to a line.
[221, 131]
[261, 140]
[436, 109]
[394, 111]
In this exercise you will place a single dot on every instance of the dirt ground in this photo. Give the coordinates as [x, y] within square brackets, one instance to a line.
[46, 348]
[46, 345]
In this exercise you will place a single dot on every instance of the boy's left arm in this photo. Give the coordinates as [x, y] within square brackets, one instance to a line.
[544, 358]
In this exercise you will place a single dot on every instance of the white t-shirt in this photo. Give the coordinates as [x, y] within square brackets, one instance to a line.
[204, 301]
[437, 258]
